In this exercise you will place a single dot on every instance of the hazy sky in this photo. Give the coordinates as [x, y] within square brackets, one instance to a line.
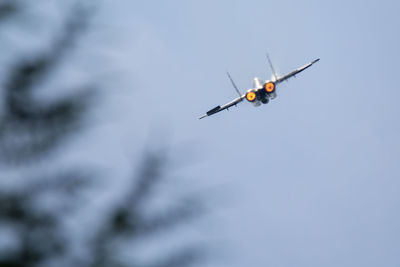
[312, 178]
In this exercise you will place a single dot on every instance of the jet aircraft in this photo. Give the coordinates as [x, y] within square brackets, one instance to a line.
[261, 92]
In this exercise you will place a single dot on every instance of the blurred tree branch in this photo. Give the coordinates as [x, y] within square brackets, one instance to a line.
[127, 221]
[7, 9]
[29, 127]
[30, 130]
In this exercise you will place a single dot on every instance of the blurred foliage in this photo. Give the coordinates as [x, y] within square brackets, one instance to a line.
[30, 130]
[127, 222]
[28, 126]
[7, 9]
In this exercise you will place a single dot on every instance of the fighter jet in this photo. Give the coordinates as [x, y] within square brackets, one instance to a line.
[261, 92]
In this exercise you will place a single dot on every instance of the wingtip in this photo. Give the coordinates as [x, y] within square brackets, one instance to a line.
[315, 61]
[203, 117]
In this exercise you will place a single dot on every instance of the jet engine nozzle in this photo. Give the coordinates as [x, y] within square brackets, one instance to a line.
[270, 89]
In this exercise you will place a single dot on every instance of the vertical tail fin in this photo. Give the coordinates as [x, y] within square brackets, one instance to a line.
[233, 83]
[272, 68]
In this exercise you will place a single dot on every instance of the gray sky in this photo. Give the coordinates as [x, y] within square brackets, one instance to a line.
[311, 179]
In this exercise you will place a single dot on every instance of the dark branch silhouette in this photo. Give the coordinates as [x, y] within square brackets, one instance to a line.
[29, 127]
[30, 130]
[7, 9]
[128, 223]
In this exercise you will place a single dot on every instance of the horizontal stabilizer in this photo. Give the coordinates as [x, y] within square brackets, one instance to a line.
[296, 71]
[217, 109]
[315, 61]
[214, 110]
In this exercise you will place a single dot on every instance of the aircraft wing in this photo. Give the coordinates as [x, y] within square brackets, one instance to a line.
[295, 72]
[221, 108]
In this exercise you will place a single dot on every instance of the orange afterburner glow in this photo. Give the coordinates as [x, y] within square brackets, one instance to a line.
[269, 87]
[251, 96]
